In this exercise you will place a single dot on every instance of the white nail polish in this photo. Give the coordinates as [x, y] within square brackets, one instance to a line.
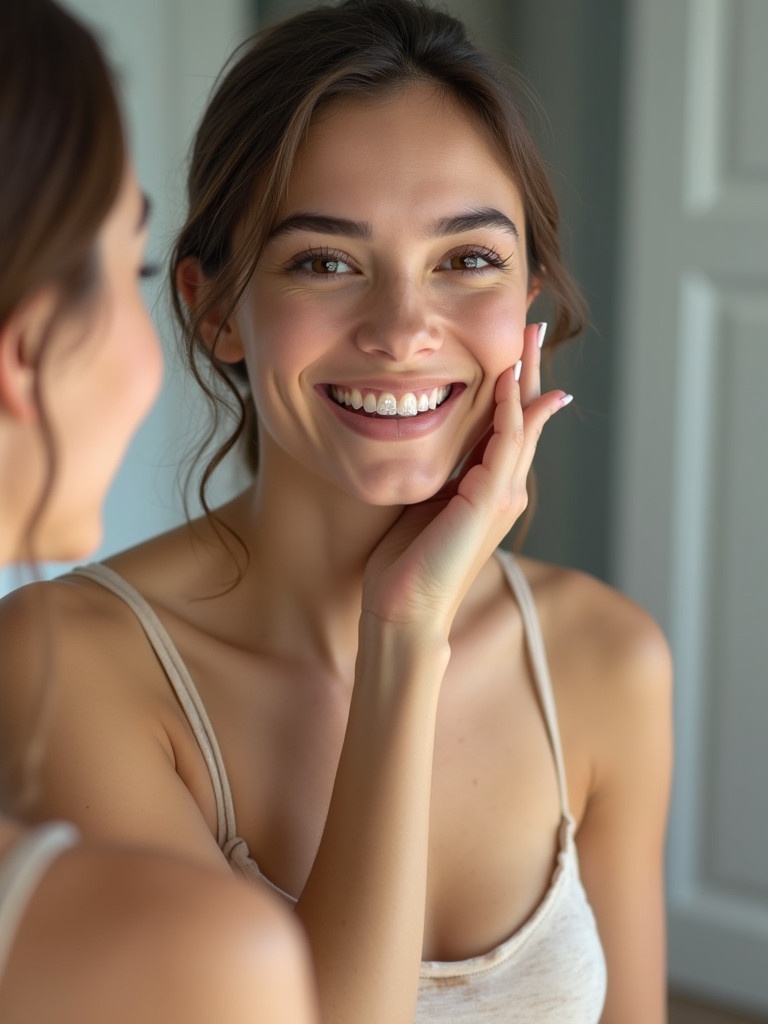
[518, 369]
[542, 333]
[566, 400]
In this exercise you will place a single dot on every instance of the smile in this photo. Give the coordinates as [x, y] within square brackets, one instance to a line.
[384, 403]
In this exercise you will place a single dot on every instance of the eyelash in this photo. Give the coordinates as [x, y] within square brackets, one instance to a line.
[296, 265]
[148, 271]
[492, 258]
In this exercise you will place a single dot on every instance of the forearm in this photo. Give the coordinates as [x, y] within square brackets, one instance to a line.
[363, 905]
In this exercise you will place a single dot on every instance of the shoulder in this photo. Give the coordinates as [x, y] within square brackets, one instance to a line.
[230, 951]
[67, 610]
[50, 627]
[235, 952]
[611, 669]
[142, 936]
[79, 682]
[604, 633]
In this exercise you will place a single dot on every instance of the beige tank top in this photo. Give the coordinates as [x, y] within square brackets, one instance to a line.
[21, 869]
[550, 971]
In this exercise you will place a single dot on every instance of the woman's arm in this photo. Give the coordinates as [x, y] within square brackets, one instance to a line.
[621, 839]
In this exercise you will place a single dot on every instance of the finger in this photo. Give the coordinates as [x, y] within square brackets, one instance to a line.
[510, 451]
[505, 444]
[530, 379]
[535, 418]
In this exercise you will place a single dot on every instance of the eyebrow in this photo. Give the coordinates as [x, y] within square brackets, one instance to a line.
[487, 217]
[146, 209]
[323, 225]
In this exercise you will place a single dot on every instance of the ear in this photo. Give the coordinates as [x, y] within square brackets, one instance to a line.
[216, 328]
[534, 288]
[20, 338]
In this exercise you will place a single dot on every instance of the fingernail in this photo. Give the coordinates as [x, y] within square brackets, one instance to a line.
[542, 332]
[518, 369]
[566, 400]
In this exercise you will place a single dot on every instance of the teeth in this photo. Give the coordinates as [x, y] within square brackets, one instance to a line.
[385, 403]
[407, 406]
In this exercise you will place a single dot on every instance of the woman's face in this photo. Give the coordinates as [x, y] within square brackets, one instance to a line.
[101, 373]
[392, 293]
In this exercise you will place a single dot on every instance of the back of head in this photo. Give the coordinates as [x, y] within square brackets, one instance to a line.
[62, 161]
[62, 153]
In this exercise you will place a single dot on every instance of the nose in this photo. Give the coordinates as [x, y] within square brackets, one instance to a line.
[398, 323]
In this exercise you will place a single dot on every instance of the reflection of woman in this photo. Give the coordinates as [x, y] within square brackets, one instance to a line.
[362, 691]
[89, 932]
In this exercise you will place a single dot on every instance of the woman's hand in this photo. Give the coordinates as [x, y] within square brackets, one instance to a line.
[425, 564]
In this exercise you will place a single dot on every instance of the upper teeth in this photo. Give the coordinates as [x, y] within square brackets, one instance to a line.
[385, 403]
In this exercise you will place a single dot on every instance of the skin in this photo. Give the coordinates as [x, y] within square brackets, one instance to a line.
[99, 378]
[367, 678]
[103, 918]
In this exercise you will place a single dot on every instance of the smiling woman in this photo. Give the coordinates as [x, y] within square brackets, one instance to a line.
[392, 272]
[336, 683]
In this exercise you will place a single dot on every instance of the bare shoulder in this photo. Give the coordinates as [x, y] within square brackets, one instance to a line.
[126, 935]
[66, 637]
[606, 636]
[611, 669]
[72, 620]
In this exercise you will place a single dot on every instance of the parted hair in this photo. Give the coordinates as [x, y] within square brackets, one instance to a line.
[247, 141]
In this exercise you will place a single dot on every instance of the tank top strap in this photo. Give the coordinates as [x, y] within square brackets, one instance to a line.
[183, 686]
[21, 870]
[540, 666]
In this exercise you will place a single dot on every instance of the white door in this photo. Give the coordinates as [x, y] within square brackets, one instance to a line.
[692, 491]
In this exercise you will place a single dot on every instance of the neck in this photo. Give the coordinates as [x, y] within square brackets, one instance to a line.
[308, 546]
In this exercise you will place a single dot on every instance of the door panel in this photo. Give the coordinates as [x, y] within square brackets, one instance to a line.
[693, 465]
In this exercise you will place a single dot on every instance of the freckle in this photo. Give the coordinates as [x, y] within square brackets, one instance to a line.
[474, 782]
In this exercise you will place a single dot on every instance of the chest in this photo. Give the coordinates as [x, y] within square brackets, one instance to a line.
[495, 807]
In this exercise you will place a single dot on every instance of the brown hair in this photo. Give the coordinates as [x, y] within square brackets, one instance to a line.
[62, 158]
[247, 141]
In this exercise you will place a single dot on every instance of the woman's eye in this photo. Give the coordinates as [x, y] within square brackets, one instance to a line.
[471, 260]
[322, 264]
[148, 271]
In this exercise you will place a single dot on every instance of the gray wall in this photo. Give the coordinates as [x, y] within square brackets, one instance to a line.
[572, 54]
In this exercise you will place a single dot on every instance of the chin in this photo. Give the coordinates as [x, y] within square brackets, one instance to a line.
[383, 493]
[70, 545]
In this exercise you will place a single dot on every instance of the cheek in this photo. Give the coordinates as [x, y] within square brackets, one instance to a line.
[281, 339]
[494, 323]
[140, 365]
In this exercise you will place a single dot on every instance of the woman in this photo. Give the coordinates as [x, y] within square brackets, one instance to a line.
[335, 683]
[92, 932]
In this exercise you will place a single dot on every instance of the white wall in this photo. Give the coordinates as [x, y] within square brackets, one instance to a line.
[166, 54]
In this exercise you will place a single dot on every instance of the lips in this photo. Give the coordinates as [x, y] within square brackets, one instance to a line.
[367, 401]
